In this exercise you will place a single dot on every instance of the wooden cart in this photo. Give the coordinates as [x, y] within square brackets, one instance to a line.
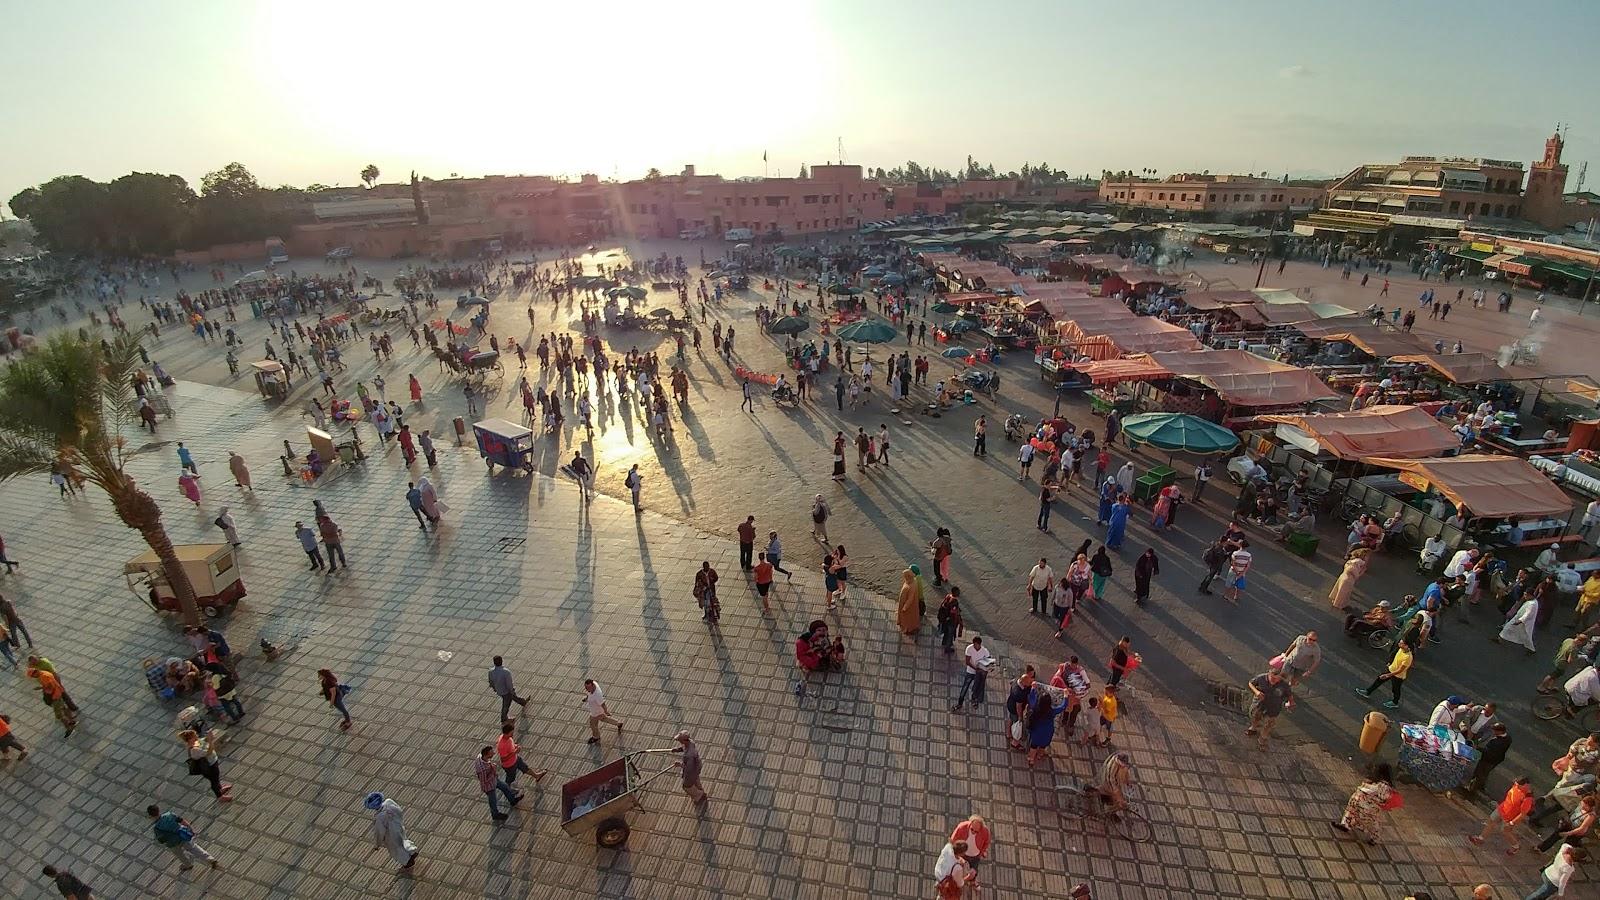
[601, 799]
[213, 571]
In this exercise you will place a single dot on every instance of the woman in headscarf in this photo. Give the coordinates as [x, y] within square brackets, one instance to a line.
[1108, 496]
[1100, 565]
[1117, 523]
[431, 507]
[225, 522]
[189, 483]
[1375, 794]
[1144, 569]
[1345, 588]
[1041, 726]
[909, 612]
[416, 388]
[1161, 513]
[241, 472]
[389, 830]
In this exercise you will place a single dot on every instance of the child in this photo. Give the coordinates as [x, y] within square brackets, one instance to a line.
[1090, 735]
[1108, 714]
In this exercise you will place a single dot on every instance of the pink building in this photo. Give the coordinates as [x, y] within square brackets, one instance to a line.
[831, 198]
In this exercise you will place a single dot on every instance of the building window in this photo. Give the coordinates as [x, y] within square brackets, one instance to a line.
[1499, 209]
[1512, 211]
[1455, 205]
[654, 209]
[811, 198]
[1236, 198]
[1211, 198]
[1249, 198]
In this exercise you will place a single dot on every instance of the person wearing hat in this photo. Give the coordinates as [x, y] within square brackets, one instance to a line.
[1445, 713]
[1379, 617]
[690, 764]
[389, 830]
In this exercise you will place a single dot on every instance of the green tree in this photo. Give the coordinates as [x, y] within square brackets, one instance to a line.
[804, 172]
[66, 406]
[231, 207]
[653, 175]
[68, 212]
[149, 213]
[369, 175]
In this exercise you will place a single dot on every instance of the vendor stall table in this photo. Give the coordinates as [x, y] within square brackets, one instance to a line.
[1435, 758]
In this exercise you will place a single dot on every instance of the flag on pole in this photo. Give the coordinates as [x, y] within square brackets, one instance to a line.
[763, 156]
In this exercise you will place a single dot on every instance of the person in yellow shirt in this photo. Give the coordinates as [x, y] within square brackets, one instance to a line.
[1399, 668]
[1589, 600]
[1108, 713]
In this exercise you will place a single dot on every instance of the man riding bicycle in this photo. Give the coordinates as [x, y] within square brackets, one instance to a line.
[1115, 777]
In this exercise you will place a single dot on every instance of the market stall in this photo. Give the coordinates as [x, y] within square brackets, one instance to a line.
[1394, 431]
[1436, 758]
[1484, 486]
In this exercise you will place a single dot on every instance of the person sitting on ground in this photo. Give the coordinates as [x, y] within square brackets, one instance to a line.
[1304, 523]
[1433, 550]
[814, 650]
[183, 676]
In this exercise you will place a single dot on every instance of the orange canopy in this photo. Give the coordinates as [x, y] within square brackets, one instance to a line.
[1485, 485]
[1244, 379]
[1113, 371]
[1371, 339]
[1393, 431]
[1462, 368]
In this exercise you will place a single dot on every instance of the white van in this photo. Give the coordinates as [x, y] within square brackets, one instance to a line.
[738, 234]
[692, 234]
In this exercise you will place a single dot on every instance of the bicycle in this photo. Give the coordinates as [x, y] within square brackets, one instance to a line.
[1550, 707]
[1087, 800]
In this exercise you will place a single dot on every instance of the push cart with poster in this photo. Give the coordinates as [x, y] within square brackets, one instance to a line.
[1436, 758]
[213, 571]
[504, 443]
[272, 379]
[600, 800]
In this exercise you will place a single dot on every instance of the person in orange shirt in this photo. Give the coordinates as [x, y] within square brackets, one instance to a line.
[56, 697]
[8, 741]
[510, 760]
[763, 576]
[1508, 814]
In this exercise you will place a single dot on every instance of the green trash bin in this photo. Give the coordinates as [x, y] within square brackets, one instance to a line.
[1166, 474]
[1146, 488]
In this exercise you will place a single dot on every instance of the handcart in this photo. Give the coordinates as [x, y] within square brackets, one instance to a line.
[601, 800]
[1437, 759]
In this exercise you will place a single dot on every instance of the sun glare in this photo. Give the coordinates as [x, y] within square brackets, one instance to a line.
[536, 87]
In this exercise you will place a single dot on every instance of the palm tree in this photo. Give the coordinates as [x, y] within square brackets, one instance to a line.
[66, 406]
[369, 175]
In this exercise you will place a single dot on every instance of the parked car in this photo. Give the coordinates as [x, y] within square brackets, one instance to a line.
[692, 234]
[738, 234]
[340, 253]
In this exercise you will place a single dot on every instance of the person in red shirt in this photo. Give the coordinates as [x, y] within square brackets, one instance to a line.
[1508, 814]
[747, 541]
[977, 838]
[510, 760]
[763, 576]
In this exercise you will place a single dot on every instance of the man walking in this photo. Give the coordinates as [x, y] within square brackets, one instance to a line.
[1273, 694]
[979, 659]
[69, 885]
[980, 437]
[819, 519]
[1510, 812]
[594, 703]
[308, 543]
[501, 683]
[838, 392]
[177, 835]
[581, 472]
[634, 482]
[1041, 578]
[748, 401]
[332, 541]
[1047, 494]
[1492, 753]
[747, 542]
[510, 758]
[9, 742]
[489, 781]
[690, 764]
[775, 554]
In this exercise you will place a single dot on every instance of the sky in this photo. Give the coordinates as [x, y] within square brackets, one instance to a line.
[310, 92]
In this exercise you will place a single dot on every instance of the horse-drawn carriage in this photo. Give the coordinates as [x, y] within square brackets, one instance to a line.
[473, 365]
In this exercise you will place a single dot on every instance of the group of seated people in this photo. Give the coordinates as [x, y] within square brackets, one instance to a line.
[175, 676]
[814, 649]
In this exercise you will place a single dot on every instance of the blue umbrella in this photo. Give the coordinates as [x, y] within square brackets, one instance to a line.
[892, 279]
[957, 353]
[1178, 432]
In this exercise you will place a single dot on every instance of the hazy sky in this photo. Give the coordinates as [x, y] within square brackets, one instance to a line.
[305, 92]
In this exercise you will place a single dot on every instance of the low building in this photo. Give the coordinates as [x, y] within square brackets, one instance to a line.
[1237, 197]
[829, 198]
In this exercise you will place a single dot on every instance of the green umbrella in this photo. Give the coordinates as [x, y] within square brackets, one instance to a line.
[869, 332]
[847, 290]
[788, 325]
[945, 309]
[1177, 432]
[633, 291]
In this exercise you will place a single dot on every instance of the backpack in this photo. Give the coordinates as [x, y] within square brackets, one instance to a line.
[172, 831]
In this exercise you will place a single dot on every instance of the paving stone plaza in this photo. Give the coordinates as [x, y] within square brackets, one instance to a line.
[848, 787]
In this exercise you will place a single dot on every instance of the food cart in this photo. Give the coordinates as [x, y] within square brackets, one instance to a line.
[1436, 758]
[213, 571]
[601, 799]
[272, 379]
[504, 443]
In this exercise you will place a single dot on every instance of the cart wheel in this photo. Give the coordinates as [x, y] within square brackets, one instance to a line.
[611, 833]
[211, 611]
